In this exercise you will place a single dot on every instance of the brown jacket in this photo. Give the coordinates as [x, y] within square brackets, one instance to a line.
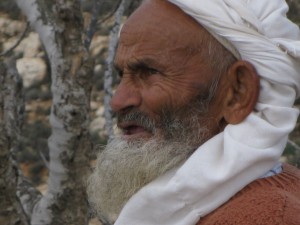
[269, 201]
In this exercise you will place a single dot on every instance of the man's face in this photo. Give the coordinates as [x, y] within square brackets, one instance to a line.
[164, 104]
[162, 72]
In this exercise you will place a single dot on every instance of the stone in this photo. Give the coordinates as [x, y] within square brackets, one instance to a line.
[10, 27]
[97, 124]
[100, 111]
[30, 46]
[32, 70]
[98, 44]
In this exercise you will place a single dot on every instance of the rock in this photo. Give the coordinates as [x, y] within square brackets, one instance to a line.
[30, 46]
[97, 69]
[100, 111]
[94, 221]
[10, 27]
[32, 70]
[97, 124]
[98, 44]
[93, 105]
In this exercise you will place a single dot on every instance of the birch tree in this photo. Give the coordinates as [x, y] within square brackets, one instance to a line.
[108, 77]
[11, 108]
[60, 27]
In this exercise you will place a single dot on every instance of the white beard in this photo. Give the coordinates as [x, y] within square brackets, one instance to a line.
[123, 168]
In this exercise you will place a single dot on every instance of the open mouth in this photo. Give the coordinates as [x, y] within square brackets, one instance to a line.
[133, 130]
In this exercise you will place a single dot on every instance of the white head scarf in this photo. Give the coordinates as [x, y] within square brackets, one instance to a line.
[259, 32]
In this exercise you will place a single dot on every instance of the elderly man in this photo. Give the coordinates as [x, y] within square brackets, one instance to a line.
[205, 105]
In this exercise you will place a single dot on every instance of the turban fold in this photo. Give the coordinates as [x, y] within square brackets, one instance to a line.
[256, 31]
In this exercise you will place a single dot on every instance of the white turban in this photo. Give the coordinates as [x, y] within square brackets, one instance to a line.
[259, 32]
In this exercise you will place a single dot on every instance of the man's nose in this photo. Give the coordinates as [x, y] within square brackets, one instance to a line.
[125, 97]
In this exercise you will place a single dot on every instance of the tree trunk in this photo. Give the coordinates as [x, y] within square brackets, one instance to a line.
[11, 109]
[108, 76]
[59, 24]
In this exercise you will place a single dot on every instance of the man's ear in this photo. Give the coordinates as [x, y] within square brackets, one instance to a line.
[242, 92]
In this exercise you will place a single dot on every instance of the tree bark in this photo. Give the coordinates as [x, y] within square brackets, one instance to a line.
[108, 75]
[60, 26]
[11, 119]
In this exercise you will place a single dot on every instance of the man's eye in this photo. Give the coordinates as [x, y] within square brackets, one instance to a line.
[152, 71]
[147, 72]
[120, 73]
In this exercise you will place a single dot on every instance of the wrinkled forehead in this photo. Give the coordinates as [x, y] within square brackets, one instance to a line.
[162, 21]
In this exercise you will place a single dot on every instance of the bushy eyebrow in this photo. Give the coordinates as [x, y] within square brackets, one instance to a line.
[117, 67]
[140, 64]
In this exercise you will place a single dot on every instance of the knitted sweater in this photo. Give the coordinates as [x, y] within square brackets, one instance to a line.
[268, 201]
